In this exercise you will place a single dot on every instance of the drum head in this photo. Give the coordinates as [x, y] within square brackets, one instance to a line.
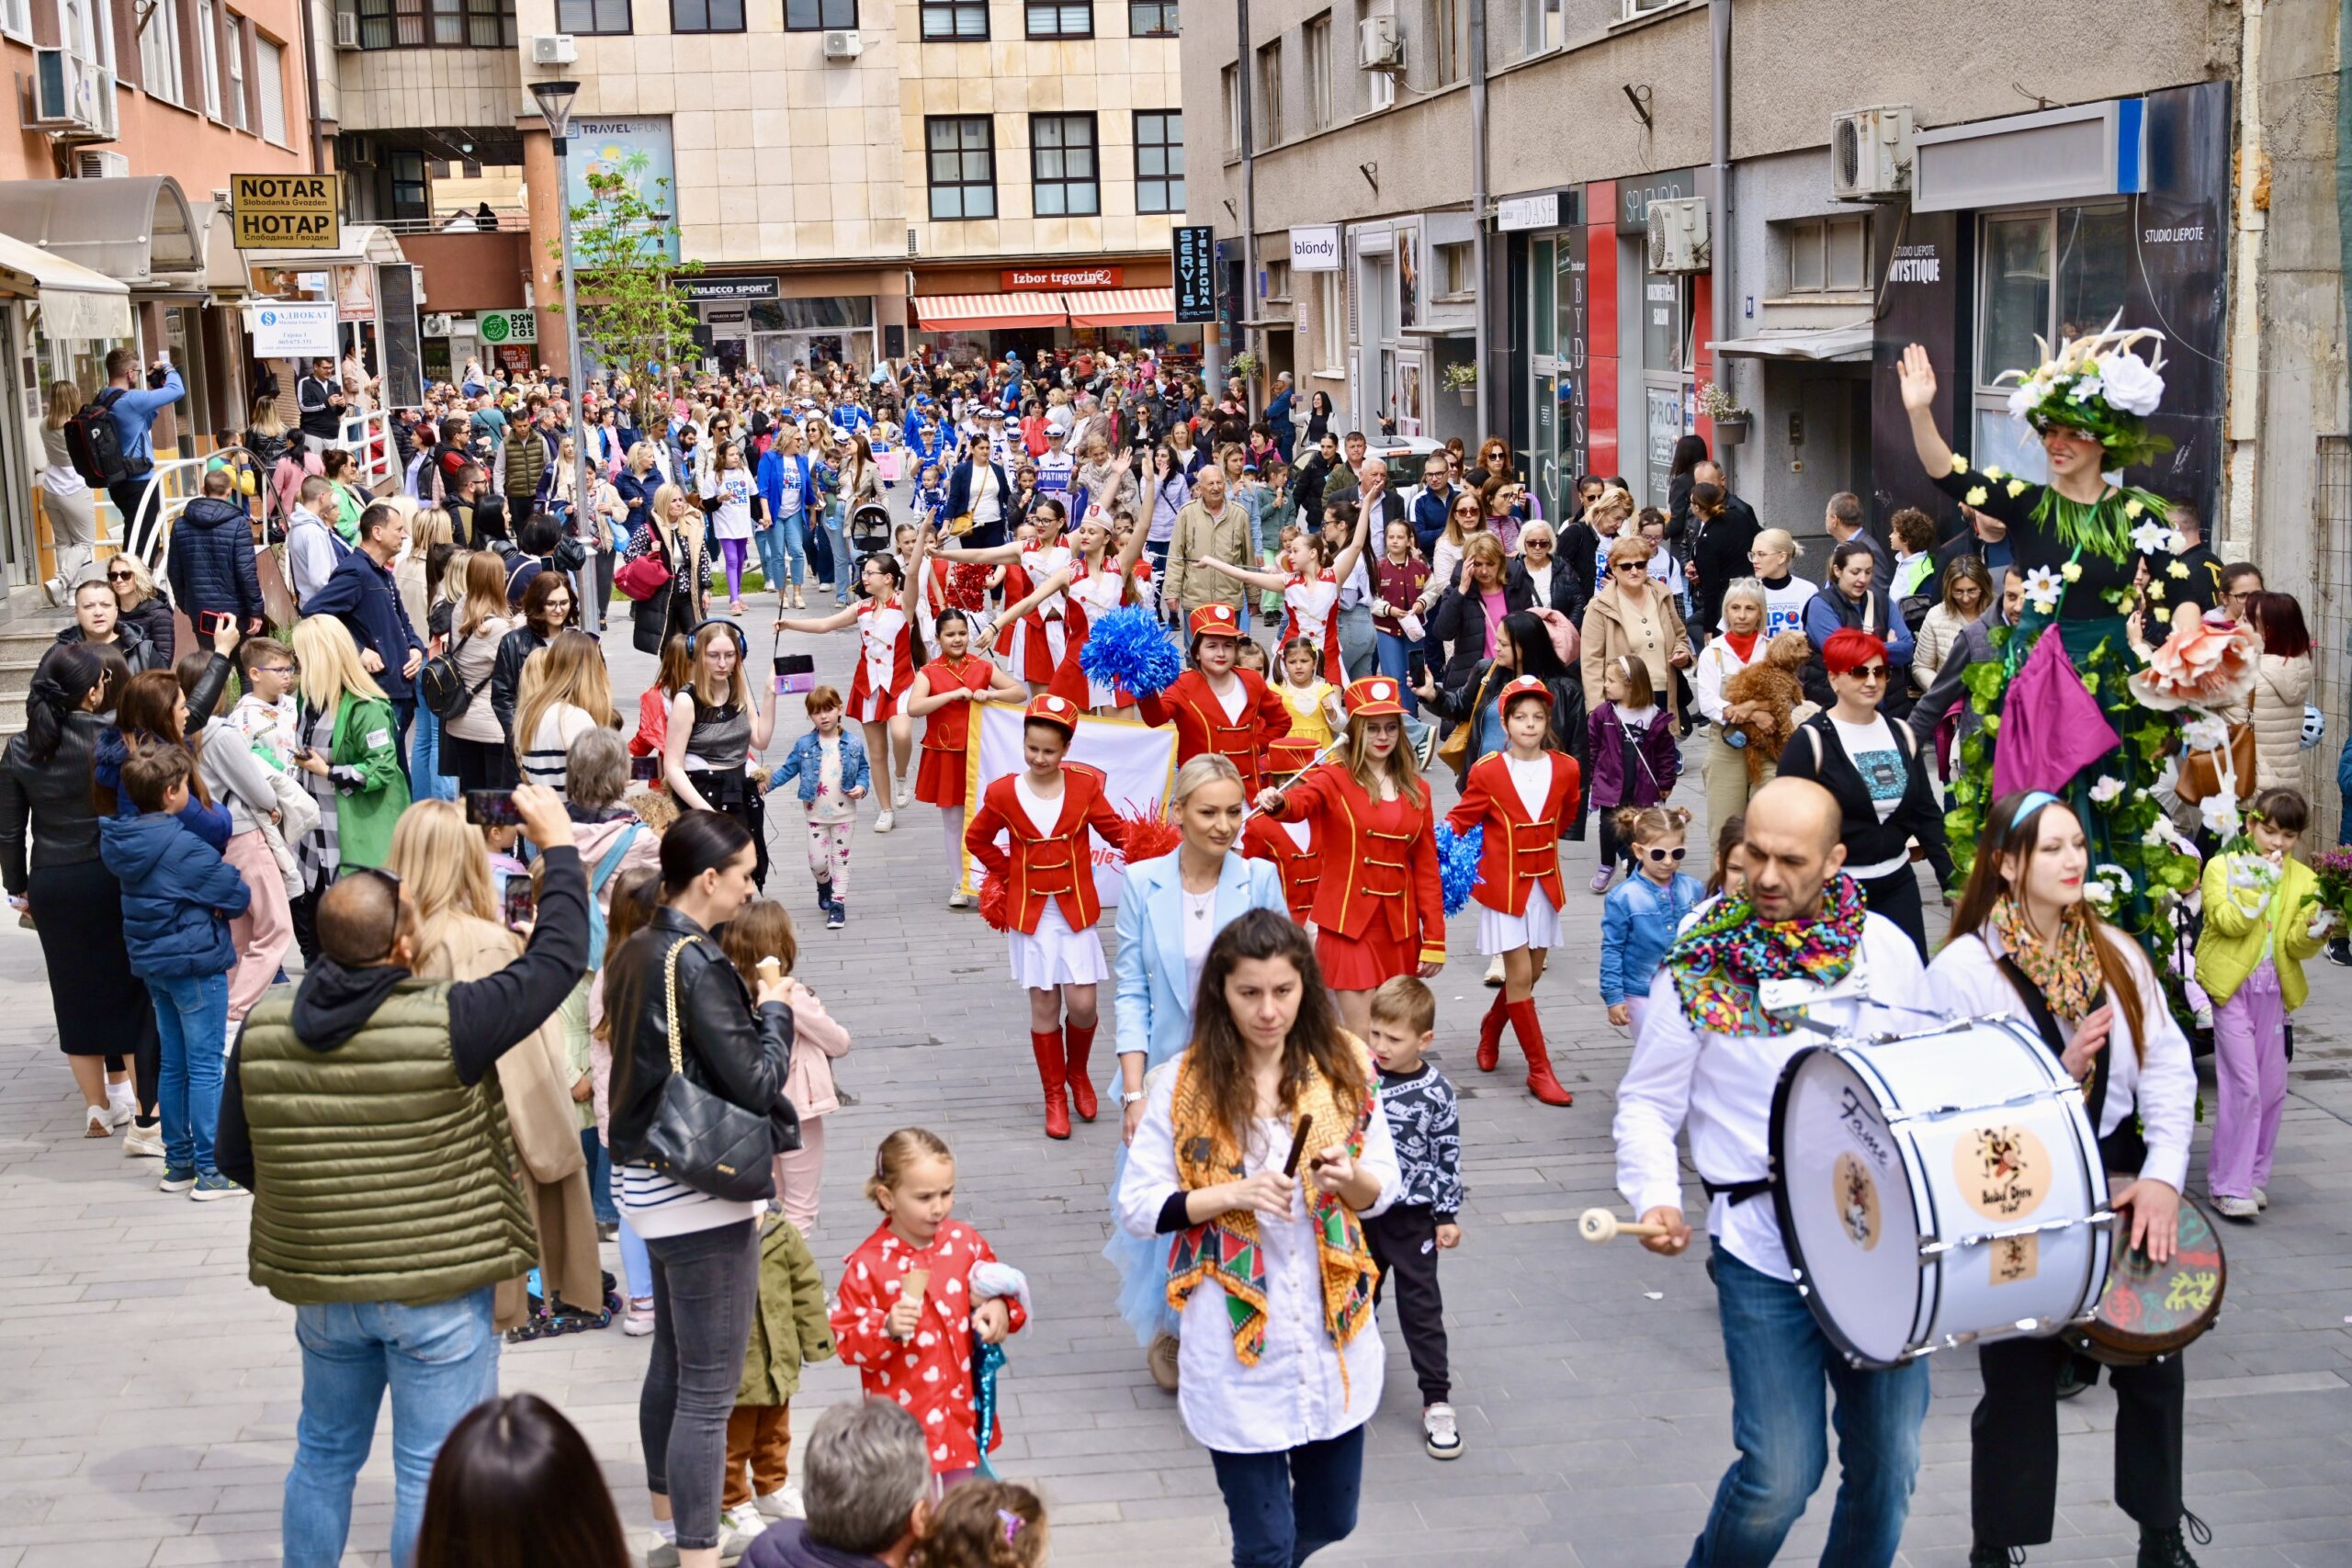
[1846, 1208]
[2152, 1309]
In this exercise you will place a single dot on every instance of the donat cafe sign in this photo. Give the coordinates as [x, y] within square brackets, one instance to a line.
[1063, 276]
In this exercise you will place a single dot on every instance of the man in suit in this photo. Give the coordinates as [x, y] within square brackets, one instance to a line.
[1846, 519]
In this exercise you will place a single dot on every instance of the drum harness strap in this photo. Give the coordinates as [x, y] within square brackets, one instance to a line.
[2123, 1149]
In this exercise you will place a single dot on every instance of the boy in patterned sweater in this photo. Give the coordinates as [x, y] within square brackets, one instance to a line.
[1426, 1217]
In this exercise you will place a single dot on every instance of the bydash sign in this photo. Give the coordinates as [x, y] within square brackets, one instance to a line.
[286, 212]
[1063, 276]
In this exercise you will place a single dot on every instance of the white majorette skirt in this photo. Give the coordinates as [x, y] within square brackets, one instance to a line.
[1540, 927]
[1056, 955]
[1057, 642]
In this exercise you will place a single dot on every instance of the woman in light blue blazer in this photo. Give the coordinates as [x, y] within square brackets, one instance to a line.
[1170, 910]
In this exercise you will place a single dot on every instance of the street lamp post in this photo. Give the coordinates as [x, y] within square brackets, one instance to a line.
[554, 103]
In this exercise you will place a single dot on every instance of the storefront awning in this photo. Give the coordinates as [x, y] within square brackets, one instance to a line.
[138, 229]
[76, 303]
[981, 312]
[1123, 308]
[1844, 346]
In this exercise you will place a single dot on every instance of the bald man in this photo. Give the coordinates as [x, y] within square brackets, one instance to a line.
[1708, 1060]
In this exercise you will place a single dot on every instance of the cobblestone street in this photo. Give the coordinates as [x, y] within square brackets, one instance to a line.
[149, 1392]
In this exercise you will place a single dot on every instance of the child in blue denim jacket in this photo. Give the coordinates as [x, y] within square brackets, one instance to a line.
[830, 763]
[1642, 914]
[931, 496]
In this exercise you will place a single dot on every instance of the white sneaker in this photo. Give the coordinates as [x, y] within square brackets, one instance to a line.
[886, 821]
[744, 1518]
[960, 899]
[2236, 1208]
[1439, 1434]
[122, 1104]
[2261, 1199]
[143, 1142]
[902, 794]
[784, 1504]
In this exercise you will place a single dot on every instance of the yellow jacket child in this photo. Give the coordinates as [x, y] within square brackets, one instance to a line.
[2241, 929]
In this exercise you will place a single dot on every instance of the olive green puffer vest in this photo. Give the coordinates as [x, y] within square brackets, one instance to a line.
[380, 1176]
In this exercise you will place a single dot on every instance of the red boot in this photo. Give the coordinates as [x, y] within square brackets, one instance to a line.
[1079, 1044]
[1490, 1034]
[1048, 1045]
[1541, 1083]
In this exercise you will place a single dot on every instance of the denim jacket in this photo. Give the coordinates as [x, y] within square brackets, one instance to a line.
[1637, 925]
[807, 762]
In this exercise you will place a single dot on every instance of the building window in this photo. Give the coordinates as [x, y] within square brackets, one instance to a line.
[159, 52]
[437, 24]
[1331, 325]
[963, 165]
[1277, 279]
[208, 56]
[1230, 80]
[1633, 8]
[269, 80]
[1540, 26]
[235, 48]
[1457, 273]
[953, 19]
[87, 30]
[408, 185]
[611, 17]
[1063, 166]
[1316, 59]
[815, 15]
[1058, 20]
[1159, 160]
[1446, 40]
[16, 19]
[1148, 19]
[1829, 256]
[706, 16]
[2055, 274]
[1266, 125]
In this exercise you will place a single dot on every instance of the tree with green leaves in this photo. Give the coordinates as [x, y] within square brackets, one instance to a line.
[624, 245]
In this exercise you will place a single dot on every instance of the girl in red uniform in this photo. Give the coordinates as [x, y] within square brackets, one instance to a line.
[1216, 708]
[910, 1338]
[1044, 814]
[1520, 796]
[1291, 846]
[1036, 641]
[1310, 590]
[890, 651]
[1097, 579]
[945, 690]
[1379, 909]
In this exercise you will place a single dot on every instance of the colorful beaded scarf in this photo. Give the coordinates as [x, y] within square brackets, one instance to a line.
[1718, 963]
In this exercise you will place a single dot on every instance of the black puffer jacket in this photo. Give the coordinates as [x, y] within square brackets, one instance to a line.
[506, 674]
[212, 563]
[153, 619]
[733, 1050]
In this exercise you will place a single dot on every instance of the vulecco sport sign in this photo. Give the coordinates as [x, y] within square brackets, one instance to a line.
[1314, 250]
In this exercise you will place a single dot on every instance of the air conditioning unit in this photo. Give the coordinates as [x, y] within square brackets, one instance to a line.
[554, 48]
[1870, 154]
[346, 30]
[358, 152]
[72, 99]
[1379, 47]
[437, 324]
[90, 163]
[1678, 238]
[843, 43]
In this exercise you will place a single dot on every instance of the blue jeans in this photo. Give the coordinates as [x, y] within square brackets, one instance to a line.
[836, 526]
[1780, 1363]
[440, 1362]
[192, 1024]
[783, 545]
[1286, 1506]
[425, 779]
[1389, 656]
[600, 1177]
[1357, 655]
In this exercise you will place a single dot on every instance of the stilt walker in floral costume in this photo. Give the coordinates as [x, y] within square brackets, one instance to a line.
[2059, 713]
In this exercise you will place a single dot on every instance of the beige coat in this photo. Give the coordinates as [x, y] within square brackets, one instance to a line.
[535, 1079]
[1195, 534]
[2281, 687]
[1649, 629]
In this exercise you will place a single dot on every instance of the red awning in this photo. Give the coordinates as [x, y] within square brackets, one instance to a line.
[1123, 308]
[979, 313]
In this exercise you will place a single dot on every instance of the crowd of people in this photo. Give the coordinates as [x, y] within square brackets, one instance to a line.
[381, 852]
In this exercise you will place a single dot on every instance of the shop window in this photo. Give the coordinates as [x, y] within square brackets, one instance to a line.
[1063, 166]
[950, 20]
[1159, 160]
[815, 15]
[1266, 124]
[2054, 274]
[1151, 18]
[269, 83]
[609, 17]
[1457, 270]
[159, 51]
[962, 149]
[706, 16]
[1314, 56]
[1060, 20]
[438, 24]
[1827, 255]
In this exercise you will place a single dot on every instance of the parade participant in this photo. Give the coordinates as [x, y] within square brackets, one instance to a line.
[1289, 847]
[1311, 589]
[715, 728]
[1378, 910]
[1215, 707]
[1520, 795]
[1281, 1359]
[1100, 577]
[1044, 814]
[1035, 642]
[1739, 643]
[1316, 714]
[1170, 909]
[944, 692]
[2028, 944]
[1709, 1057]
[907, 1312]
[1643, 913]
[889, 652]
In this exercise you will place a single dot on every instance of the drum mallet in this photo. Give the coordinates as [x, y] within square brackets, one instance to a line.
[1599, 1225]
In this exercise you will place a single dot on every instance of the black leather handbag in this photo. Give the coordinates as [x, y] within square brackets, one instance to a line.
[701, 1139]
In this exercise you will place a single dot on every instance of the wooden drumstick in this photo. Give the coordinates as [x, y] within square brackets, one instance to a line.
[1599, 1225]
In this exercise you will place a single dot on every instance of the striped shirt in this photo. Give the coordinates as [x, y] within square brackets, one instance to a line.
[657, 1206]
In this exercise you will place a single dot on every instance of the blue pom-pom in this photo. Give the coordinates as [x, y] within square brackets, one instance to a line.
[1131, 648]
[1457, 864]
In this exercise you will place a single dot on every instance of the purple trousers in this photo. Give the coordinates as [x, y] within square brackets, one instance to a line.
[2250, 1074]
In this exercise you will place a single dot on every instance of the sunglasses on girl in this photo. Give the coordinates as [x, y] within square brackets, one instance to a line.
[1662, 856]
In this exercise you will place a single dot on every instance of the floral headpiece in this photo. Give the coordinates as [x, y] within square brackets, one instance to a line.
[2095, 384]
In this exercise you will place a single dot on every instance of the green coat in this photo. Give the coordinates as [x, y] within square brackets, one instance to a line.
[366, 737]
[789, 1329]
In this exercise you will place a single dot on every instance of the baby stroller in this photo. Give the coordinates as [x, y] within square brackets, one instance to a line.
[869, 528]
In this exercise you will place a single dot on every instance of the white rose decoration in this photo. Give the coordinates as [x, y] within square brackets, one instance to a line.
[2130, 385]
[2106, 789]
[2205, 734]
[2220, 814]
[2022, 399]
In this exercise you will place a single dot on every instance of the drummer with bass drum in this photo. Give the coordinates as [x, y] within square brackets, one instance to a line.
[2029, 946]
[1722, 1023]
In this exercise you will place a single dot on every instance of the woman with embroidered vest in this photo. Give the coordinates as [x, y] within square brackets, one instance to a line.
[2028, 944]
[1281, 1357]
[1873, 767]
[670, 991]
[1044, 815]
[1170, 909]
[1379, 910]
[390, 1261]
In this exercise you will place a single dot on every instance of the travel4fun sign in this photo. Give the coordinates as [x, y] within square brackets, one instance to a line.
[286, 212]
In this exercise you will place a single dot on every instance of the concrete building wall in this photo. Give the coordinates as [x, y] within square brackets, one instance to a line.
[390, 89]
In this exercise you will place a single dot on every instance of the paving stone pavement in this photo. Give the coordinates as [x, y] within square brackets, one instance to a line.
[149, 1392]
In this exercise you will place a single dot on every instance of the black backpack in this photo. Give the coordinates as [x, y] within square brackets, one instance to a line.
[95, 442]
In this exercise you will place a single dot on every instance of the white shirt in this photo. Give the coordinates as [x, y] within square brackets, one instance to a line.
[1532, 779]
[1720, 1088]
[1200, 930]
[1296, 1393]
[1232, 696]
[1540, 578]
[1043, 812]
[1716, 661]
[1966, 981]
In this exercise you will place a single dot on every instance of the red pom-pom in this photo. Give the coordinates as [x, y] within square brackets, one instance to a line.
[1150, 836]
[994, 895]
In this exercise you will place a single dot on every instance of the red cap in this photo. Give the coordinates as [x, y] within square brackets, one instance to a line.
[1524, 687]
[1047, 709]
[1215, 620]
[1375, 696]
[1290, 753]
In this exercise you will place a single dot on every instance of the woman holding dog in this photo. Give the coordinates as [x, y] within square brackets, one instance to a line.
[1730, 778]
